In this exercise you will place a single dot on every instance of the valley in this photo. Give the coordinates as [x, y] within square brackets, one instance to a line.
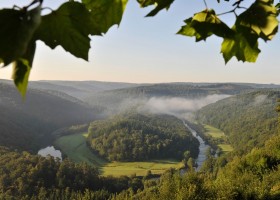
[131, 141]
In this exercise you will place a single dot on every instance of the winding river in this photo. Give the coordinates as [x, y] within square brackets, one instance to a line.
[202, 148]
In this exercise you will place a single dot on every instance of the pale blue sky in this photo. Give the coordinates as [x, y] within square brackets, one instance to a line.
[148, 50]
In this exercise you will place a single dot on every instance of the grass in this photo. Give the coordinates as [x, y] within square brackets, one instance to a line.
[74, 146]
[138, 168]
[214, 132]
[225, 147]
[218, 134]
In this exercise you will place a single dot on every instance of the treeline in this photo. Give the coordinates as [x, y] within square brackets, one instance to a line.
[254, 176]
[26, 176]
[139, 137]
[248, 119]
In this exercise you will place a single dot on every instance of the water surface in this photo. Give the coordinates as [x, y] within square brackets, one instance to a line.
[202, 148]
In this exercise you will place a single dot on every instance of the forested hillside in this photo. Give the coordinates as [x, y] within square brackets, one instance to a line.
[27, 123]
[139, 137]
[115, 101]
[248, 119]
[79, 89]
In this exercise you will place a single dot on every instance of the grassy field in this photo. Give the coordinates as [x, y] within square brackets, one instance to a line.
[74, 146]
[218, 134]
[225, 147]
[214, 132]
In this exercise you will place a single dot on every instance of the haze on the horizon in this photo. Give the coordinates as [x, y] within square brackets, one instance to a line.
[147, 50]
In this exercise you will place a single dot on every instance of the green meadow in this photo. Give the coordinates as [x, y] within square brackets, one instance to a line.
[213, 132]
[76, 149]
[218, 134]
[226, 147]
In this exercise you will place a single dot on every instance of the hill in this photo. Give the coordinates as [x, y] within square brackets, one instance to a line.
[27, 124]
[79, 89]
[247, 119]
[115, 101]
[139, 137]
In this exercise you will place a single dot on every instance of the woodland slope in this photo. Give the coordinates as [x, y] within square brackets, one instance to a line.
[247, 119]
[34, 118]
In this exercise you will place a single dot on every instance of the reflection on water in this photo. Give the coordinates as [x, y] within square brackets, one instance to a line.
[50, 150]
[202, 148]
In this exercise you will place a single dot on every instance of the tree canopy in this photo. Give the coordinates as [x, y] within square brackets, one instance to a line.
[72, 24]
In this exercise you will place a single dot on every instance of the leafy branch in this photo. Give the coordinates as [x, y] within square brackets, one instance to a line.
[259, 21]
[237, 6]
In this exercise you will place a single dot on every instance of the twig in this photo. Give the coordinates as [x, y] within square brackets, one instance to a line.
[205, 4]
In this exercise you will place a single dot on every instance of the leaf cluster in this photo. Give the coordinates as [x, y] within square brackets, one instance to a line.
[259, 21]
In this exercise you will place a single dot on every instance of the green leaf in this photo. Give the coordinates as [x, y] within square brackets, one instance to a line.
[17, 29]
[104, 14]
[204, 24]
[160, 4]
[22, 67]
[69, 26]
[260, 17]
[240, 47]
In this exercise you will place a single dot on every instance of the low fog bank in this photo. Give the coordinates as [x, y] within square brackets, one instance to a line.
[179, 107]
[259, 99]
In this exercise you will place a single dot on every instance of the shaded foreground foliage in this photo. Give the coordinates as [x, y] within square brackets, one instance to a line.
[25, 176]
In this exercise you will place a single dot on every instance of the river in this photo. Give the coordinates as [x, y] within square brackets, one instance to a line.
[202, 148]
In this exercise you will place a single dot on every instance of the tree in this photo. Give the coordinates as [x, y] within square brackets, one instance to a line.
[21, 27]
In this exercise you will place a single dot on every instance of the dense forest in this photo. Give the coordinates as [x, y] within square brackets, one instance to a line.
[247, 119]
[139, 137]
[26, 176]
